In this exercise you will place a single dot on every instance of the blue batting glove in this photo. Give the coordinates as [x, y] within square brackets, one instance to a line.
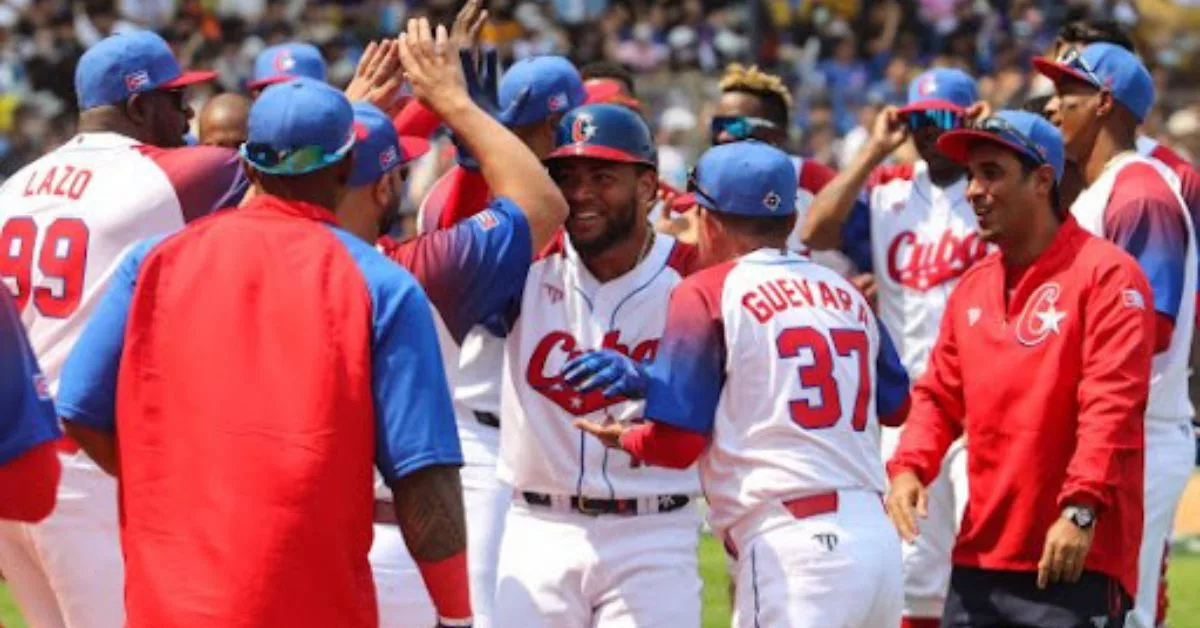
[617, 374]
[483, 80]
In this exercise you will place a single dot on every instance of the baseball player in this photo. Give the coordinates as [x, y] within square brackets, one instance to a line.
[172, 377]
[756, 105]
[222, 120]
[65, 222]
[912, 228]
[625, 535]
[1102, 94]
[29, 467]
[774, 374]
[284, 62]
[1043, 360]
[470, 271]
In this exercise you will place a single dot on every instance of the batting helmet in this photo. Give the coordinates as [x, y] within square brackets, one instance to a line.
[604, 131]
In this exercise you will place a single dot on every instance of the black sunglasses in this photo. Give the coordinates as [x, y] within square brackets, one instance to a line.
[1001, 127]
[693, 187]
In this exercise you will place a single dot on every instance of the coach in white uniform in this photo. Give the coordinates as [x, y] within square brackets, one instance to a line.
[912, 227]
[1102, 94]
[775, 374]
[593, 538]
[66, 220]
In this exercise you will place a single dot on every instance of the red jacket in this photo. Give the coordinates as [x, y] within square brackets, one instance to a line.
[1052, 387]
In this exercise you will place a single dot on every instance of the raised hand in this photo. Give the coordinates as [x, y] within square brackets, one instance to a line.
[432, 66]
[889, 130]
[378, 77]
[464, 33]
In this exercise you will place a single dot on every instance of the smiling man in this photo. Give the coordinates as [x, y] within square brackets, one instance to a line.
[1046, 346]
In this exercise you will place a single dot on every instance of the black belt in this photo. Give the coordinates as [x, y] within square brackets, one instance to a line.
[488, 419]
[595, 507]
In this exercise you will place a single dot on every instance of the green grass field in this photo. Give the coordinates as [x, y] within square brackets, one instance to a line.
[1184, 580]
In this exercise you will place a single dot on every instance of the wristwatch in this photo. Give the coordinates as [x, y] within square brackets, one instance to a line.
[1082, 516]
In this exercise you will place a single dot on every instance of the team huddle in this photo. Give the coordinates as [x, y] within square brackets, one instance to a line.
[952, 392]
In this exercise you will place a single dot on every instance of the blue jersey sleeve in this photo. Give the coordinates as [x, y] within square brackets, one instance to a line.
[689, 370]
[892, 385]
[414, 421]
[26, 412]
[473, 270]
[1145, 219]
[856, 236]
[87, 392]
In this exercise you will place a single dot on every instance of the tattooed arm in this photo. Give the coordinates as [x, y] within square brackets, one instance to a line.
[429, 508]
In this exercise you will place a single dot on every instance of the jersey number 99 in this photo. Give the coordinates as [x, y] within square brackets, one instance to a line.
[819, 376]
[60, 255]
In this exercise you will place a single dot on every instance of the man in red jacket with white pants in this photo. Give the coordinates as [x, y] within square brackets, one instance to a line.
[1046, 345]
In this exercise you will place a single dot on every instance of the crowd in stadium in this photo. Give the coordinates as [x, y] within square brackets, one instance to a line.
[840, 60]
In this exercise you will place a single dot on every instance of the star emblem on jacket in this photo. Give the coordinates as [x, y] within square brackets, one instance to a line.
[1050, 318]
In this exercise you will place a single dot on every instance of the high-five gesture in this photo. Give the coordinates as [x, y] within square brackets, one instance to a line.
[431, 64]
[889, 130]
[378, 78]
[470, 20]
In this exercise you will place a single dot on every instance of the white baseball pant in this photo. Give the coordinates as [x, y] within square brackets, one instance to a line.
[1170, 457]
[570, 570]
[836, 569]
[68, 571]
[927, 562]
[402, 598]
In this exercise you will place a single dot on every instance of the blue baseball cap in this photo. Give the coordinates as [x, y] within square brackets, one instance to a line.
[298, 127]
[1105, 66]
[284, 62]
[941, 88]
[120, 66]
[607, 132]
[1021, 131]
[535, 88]
[378, 149]
[747, 178]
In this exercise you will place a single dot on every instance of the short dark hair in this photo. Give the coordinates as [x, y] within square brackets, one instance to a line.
[609, 70]
[1097, 31]
[1037, 105]
[1028, 165]
[774, 228]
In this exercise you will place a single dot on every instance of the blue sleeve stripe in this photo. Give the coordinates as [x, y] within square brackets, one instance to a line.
[892, 387]
[856, 237]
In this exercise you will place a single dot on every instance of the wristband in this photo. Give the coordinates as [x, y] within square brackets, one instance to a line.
[446, 581]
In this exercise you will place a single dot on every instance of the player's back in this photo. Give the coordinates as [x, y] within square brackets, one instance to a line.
[797, 414]
[67, 219]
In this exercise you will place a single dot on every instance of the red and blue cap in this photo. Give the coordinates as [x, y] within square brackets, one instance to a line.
[378, 149]
[120, 66]
[746, 178]
[1023, 132]
[941, 89]
[535, 88]
[284, 62]
[1105, 66]
[298, 127]
[604, 131]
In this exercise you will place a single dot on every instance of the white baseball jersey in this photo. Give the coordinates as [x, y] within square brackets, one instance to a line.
[564, 312]
[67, 219]
[918, 239]
[1136, 203]
[783, 363]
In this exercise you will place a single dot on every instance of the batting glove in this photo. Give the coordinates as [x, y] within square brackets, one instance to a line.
[619, 374]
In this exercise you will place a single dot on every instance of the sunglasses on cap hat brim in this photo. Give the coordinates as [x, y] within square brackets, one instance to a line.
[697, 194]
[957, 144]
[294, 161]
[1069, 65]
[942, 119]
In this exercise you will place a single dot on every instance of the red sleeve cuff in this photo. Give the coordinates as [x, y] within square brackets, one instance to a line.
[446, 581]
[416, 120]
[664, 445]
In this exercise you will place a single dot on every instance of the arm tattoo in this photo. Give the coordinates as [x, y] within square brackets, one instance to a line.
[429, 507]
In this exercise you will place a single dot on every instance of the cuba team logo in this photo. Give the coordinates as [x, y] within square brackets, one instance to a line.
[582, 129]
[928, 86]
[388, 159]
[136, 81]
[284, 61]
[558, 102]
[1041, 316]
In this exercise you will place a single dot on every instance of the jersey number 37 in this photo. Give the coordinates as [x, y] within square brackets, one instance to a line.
[819, 374]
[60, 255]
